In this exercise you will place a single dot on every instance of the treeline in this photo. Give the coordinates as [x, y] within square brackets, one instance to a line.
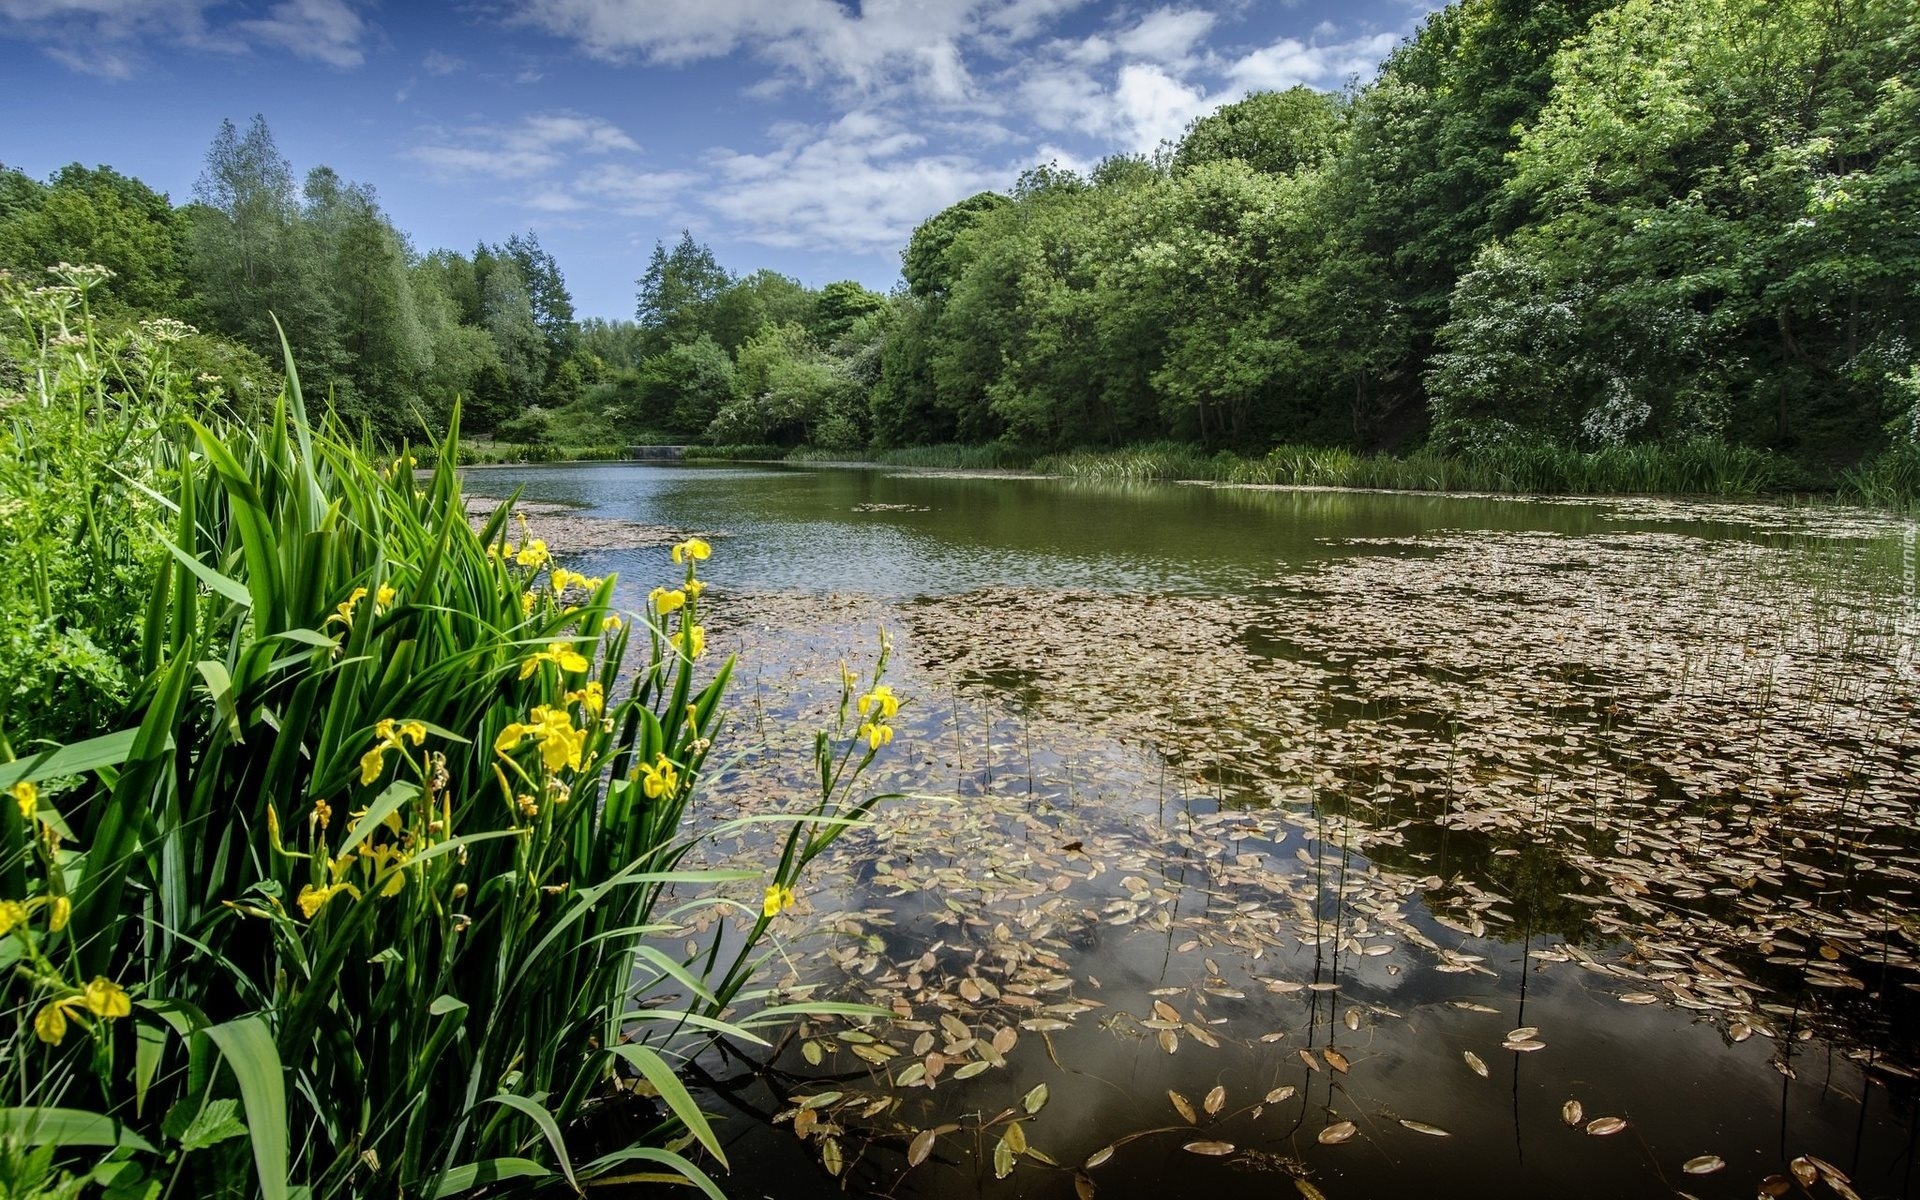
[1563, 223]
[392, 336]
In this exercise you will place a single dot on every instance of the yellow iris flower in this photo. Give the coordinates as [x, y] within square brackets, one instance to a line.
[560, 654]
[660, 778]
[103, 998]
[27, 796]
[778, 898]
[387, 735]
[664, 601]
[561, 745]
[692, 550]
[880, 700]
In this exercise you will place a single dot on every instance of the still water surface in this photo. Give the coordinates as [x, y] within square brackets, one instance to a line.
[1505, 803]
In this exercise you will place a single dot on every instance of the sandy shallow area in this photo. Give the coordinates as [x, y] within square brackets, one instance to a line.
[566, 530]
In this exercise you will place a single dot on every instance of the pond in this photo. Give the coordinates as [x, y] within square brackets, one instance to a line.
[1269, 842]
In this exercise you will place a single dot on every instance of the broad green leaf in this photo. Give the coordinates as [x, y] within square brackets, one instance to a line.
[472, 1175]
[549, 1129]
[67, 1127]
[249, 1051]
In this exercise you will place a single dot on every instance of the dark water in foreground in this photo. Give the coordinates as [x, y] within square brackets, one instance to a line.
[1210, 781]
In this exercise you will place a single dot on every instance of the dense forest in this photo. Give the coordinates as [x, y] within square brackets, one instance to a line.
[1566, 222]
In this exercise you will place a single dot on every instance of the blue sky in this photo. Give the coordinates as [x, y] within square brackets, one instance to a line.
[809, 136]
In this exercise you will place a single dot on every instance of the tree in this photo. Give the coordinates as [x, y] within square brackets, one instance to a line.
[1719, 193]
[782, 386]
[547, 294]
[384, 348]
[838, 307]
[1279, 133]
[684, 386]
[97, 215]
[678, 291]
[743, 306]
[927, 263]
[250, 261]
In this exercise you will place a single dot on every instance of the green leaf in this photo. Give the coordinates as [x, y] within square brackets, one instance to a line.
[681, 1167]
[389, 801]
[249, 1050]
[472, 1175]
[215, 1123]
[675, 1093]
[212, 578]
[108, 750]
[67, 1127]
[549, 1129]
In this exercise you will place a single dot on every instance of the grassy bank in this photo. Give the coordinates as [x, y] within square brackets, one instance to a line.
[484, 453]
[1699, 467]
[1690, 468]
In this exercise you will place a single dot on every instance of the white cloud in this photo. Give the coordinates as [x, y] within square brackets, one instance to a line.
[1166, 35]
[1152, 106]
[440, 63]
[1291, 61]
[908, 46]
[536, 145]
[860, 184]
[114, 38]
[329, 31]
[633, 192]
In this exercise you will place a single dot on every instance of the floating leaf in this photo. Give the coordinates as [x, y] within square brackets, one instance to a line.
[1423, 1127]
[1212, 1148]
[1169, 1041]
[1706, 1164]
[1035, 1099]
[1216, 1100]
[1098, 1156]
[1003, 1158]
[1804, 1171]
[1353, 1019]
[1571, 1113]
[1639, 998]
[920, 1147]
[1338, 1132]
[1083, 1188]
[1279, 1094]
[1016, 1136]
[1602, 1126]
[1336, 1060]
[1184, 1107]
[1475, 1063]
[1525, 1033]
[1307, 1190]
[830, 1156]
[1306, 1056]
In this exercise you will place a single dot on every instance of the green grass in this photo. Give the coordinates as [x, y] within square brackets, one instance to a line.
[1891, 481]
[1697, 467]
[495, 453]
